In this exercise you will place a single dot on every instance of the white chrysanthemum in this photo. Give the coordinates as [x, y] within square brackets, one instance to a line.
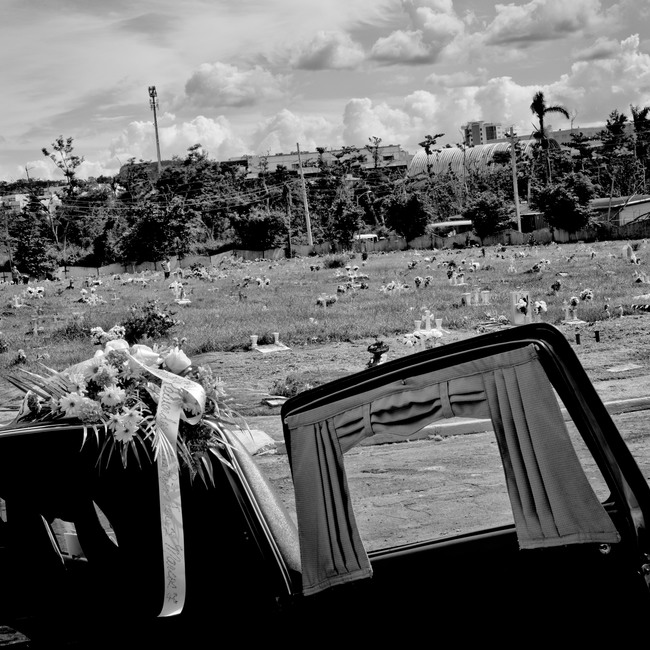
[112, 395]
[71, 404]
[104, 375]
[77, 383]
[90, 411]
[125, 425]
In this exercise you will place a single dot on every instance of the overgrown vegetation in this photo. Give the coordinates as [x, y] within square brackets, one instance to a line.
[198, 204]
[375, 297]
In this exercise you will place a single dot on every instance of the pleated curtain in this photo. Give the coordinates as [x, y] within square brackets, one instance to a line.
[551, 498]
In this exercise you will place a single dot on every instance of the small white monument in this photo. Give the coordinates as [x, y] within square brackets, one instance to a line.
[276, 346]
[521, 310]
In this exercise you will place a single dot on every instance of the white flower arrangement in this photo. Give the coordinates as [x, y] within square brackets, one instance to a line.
[34, 292]
[100, 337]
[574, 301]
[540, 307]
[586, 294]
[522, 305]
[117, 392]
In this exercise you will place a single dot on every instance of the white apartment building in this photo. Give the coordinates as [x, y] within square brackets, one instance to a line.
[482, 132]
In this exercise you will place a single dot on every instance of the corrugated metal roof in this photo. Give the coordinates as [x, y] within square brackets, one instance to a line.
[455, 158]
[619, 201]
[450, 224]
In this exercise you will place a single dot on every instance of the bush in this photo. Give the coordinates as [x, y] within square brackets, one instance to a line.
[75, 330]
[290, 386]
[148, 321]
[562, 208]
[335, 262]
[489, 214]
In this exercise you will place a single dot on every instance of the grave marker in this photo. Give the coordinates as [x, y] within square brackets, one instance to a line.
[520, 308]
[571, 315]
[276, 346]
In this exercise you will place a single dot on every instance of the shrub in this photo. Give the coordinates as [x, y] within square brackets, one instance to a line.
[74, 330]
[489, 214]
[562, 208]
[148, 321]
[290, 386]
[335, 262]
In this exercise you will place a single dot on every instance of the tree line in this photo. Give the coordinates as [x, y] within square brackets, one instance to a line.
[198, 205]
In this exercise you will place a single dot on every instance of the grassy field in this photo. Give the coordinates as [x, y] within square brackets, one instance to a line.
[381, 298]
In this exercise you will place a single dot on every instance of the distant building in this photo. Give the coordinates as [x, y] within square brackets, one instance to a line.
[617, 211]
[621, 209]
[14, 203]
[563, 136]
[475, 133]
[390, 156]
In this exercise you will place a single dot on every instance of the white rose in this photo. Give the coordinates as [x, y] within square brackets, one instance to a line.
[177, 361]
[116, 344]
[145, 355]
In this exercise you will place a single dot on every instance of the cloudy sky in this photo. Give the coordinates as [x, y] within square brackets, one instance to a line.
[259, 76]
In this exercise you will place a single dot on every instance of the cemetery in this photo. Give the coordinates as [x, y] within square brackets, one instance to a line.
[262, 327]
[411, 299]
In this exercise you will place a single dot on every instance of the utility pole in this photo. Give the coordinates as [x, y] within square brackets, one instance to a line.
[153, 103]
[310, 241]
[5, 210]
[513, 158]
[287, 195]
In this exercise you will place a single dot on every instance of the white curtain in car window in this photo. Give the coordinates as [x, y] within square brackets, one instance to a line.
[552, 500]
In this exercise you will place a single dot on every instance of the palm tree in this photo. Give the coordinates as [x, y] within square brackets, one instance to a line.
[539, 108]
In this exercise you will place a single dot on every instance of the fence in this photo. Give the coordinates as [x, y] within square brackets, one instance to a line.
[629, 231]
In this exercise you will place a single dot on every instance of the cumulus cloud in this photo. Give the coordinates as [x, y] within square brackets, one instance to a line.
[434, 25]
[403, 47]
[602, 48]
[39, 169]
[418, 114]
[281, 133]
[421, 112]
[218, 84]
[541, 20]
[215, 135]
[614, 82]
[328, 50]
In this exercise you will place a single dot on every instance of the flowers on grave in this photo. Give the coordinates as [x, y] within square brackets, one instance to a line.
[574, 301]
[34, 292]
[90, 297]
[522, 305]
[118, 392]
[325, 300]
[100, 337]
[586, 294]
[539, 307]
[412, 339]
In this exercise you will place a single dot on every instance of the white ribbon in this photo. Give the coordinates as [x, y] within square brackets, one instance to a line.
[168, 415]
[173, 391]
